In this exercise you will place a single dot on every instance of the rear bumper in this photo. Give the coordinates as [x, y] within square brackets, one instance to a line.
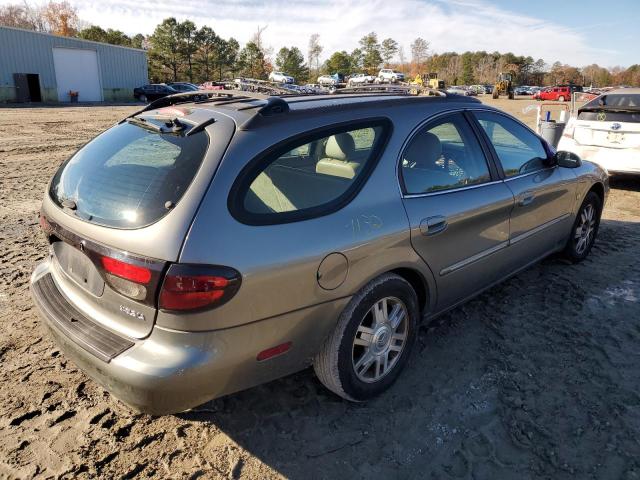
[171, 371]
[613, 160]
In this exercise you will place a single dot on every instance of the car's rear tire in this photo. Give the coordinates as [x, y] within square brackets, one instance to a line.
[372, 341]
[584, 230]
[561, 98]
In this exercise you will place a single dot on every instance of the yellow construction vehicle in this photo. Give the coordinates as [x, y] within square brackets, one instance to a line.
[504, 85]
[428, 80]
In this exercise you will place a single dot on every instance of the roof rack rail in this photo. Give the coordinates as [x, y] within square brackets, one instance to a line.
[271, 105]
[393, 89]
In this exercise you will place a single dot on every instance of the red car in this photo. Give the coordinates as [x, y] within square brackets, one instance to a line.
[557, 94]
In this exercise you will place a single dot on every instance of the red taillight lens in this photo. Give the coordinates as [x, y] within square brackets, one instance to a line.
[127, 271]
[191, 287]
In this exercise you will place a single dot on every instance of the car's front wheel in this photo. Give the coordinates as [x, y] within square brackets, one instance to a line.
[585, 229]
[561, 98]
[372, 341]
[143, 98]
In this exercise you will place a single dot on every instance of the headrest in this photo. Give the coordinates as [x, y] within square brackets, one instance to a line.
[337, 168]
[340, 147]
[423, 152]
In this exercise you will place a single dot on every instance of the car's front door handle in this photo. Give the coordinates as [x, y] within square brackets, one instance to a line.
[433, 225]
[527, 198]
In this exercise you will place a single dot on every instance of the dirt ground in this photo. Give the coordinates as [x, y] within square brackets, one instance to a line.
[537, 378]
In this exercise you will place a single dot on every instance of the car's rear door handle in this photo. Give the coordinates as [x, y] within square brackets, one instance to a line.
[527, 198]
[433, 225]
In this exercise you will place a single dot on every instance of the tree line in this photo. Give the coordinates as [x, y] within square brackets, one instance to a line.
[180, 51]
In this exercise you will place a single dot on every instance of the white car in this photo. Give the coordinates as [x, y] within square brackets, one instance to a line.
[606, 131]
[387, 75]
[360, 79]
[328, 80]
[280, 77]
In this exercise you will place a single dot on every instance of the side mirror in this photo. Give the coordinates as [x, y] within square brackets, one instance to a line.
[567, 159]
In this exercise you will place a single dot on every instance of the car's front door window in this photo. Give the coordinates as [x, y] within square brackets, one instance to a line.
[519, 150]
[445, 155]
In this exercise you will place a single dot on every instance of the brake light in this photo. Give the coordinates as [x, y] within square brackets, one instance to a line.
[127, 271]
[193, 287]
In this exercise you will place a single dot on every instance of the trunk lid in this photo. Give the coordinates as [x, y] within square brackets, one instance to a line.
[118, 211]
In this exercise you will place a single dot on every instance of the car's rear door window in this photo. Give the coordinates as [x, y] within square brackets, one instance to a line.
[519, 150]
[308, 177]
[129, 176]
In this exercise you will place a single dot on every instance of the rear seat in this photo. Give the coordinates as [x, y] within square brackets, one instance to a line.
[282, 188]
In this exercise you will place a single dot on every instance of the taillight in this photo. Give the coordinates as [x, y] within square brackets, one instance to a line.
[195, 287]
[126, 278]
[126, 270]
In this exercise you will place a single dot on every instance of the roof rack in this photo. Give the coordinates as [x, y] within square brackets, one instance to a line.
[393, 89]
[270, 105]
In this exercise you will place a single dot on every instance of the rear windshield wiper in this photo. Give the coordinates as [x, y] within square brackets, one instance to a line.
[172, 125]
[141, 122]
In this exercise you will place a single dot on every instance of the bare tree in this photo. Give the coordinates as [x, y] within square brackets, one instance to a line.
[259, 42]
[315, 49]
[401, 56]
[419, 51]
[61, 18]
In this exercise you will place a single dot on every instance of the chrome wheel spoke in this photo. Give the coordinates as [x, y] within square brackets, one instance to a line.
[364, 363]
[378, 370]
[380, 312]
[396, 316]
[364, 336]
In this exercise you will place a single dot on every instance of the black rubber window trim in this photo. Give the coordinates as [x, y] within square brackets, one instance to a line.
[247, 175]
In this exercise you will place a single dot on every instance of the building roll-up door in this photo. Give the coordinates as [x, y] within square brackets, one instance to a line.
[77, 71]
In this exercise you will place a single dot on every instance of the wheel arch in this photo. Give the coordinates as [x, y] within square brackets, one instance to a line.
[598, 189]
[418, 283]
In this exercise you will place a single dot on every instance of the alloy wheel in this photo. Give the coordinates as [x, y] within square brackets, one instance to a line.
[380, 339]
[586, 229]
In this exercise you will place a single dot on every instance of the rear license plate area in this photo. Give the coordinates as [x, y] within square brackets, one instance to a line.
[78, 267]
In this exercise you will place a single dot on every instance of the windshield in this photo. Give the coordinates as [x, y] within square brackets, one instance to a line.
[129, 176]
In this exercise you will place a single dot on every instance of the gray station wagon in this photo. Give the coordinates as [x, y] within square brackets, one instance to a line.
[198, 248]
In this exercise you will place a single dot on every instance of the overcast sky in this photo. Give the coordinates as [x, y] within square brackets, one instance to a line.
[575, 32]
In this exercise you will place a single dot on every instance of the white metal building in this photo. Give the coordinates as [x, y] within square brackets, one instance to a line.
[42, 67]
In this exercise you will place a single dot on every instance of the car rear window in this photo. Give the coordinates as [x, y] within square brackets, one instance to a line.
[129, 176]
[620, 107]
